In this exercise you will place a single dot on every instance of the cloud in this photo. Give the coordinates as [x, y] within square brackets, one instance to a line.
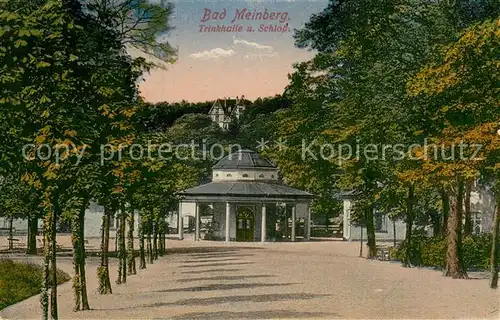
[252, 51]
[260, 55]
[215, 53]
[254, 45]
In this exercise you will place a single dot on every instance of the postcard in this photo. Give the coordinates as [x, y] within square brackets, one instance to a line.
[249, 159]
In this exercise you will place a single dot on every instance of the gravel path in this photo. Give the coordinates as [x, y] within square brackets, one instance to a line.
[314, 280]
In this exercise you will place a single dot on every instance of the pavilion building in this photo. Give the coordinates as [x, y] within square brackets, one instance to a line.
[242, 198]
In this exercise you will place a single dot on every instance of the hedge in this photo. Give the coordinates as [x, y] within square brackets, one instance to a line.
[20, 280]
[431, 252]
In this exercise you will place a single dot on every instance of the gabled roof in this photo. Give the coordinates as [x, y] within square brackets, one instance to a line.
[229, 105]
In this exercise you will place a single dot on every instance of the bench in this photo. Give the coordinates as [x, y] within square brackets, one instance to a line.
[40, 245]
[383, 253]
[16, 243]
[89, 247]
[13, 244]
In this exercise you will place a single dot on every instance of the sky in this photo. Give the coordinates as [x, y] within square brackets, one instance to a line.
[214, 65]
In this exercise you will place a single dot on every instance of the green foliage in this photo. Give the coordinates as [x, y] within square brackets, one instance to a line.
[160, 116]
[141, 24]
[431, 252]
[477, 250]
[20, 280]
[195, 128]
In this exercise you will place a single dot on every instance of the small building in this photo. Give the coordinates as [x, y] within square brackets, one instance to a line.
[224, 110]
[241, 202]
[92, 224]
[482, 203]
[385, 229]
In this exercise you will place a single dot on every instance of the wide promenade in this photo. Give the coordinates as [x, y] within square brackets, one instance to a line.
[315, 280]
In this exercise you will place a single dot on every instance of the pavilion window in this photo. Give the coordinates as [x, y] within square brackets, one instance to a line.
[245, 175]
[228, 175]
[380, 222]
[261, 176]
[477, 225]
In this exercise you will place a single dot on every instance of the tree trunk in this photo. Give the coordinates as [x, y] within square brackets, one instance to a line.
[119, 250]
[11, 233]
[76, 239]
[164, 237]
[446, 210]
[44, 295]
[468, 214]
[149, 244]
[32, 231]
[394, 232]
[142, 258]
[361, 243]
[155, 240]
[53, 265]
[454, 260]
[436, 224]
[495, 255]
[123, 248]
[409, 226]
[161, 235]
[103, 270]
[131, 257]
[82, 256]
[117, 228]
[122, 253]
[370, 233]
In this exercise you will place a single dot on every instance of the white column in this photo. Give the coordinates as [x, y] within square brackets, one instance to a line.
[180, 222]
[347, 219]
[197, 222]
[228, 222]
[308, 223]
[263, 230]
[294, 206]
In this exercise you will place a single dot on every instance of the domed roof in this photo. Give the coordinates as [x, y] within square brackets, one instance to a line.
[243, 159]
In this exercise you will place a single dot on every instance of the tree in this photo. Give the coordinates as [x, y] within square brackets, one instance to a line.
[140, 24]
[80, 73]
[458, 90]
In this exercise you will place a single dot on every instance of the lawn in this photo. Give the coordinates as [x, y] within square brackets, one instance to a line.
[21, 280]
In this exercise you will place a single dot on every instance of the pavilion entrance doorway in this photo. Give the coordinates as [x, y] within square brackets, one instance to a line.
[245, 224]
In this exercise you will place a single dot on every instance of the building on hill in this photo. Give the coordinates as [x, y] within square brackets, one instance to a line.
[224, 110]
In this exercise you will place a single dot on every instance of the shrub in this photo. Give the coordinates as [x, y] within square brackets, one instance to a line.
[431, 252]
[395, 253]
[477, 250]
[419, 236]
[20, 280]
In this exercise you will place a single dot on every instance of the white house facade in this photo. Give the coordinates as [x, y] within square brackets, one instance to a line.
[482, 208]
[224, 110]
[92, 224]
